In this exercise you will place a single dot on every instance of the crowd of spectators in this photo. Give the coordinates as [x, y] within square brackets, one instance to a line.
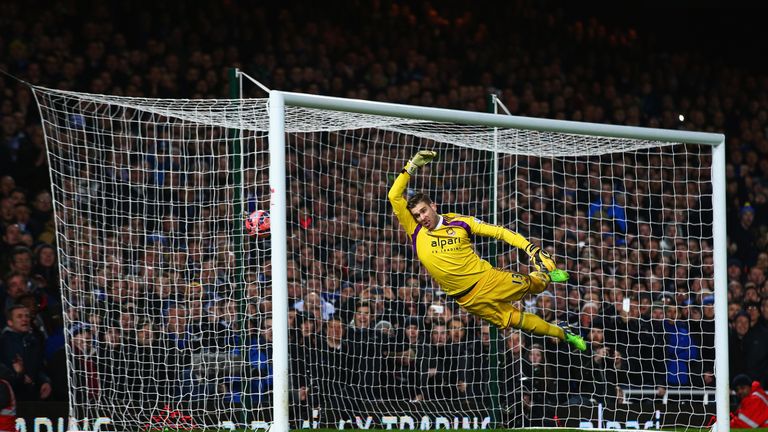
[366, 324]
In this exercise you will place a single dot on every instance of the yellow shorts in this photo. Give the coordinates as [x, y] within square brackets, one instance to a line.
[491, 298]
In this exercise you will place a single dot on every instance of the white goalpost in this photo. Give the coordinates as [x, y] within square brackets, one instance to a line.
[330, 321]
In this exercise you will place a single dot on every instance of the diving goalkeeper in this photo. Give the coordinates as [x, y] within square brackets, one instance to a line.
[442, 243]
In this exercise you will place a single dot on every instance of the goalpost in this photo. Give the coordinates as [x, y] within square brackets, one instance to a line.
[330, 321]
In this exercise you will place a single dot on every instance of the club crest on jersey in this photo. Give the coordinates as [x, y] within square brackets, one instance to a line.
[450, 231]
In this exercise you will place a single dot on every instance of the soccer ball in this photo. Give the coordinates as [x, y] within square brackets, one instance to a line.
[257, 224]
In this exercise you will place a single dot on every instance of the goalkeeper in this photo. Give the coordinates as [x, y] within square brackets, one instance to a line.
[442, 243]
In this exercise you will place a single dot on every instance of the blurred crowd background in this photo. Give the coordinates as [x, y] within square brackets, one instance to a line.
[366, 323]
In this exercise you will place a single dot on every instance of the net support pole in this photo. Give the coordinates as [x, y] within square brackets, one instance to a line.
[236, 159]
[720, 246]
[494, 359]
[279, 242]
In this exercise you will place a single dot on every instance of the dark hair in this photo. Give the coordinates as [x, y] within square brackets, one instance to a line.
[741, 380]
[21, 298]
[9, 311]
[20, 190]
[12, 274]
[418, 197]
[363, 304]
[20, 250]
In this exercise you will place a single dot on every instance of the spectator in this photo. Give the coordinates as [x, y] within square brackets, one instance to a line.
[681, 350]
[12, 141]
[260, 359]
[763, 322]
[756, 276]
[737, 344]
[7, 217]
[363, 351]
[23, 353]
[87, 384]
[545, 305]
[515, 362]
[402, 381]
[743, 236]
[7, 185]
[539, 385]
[148, 348]
[16, 285]
[412, 336]
[408, 304]
[633, 337]
[21, 261]
[113, 353]
[39, 323]
[12, 237]
[438, 368]
[474, 375]
[7, 401]
[734, 270]
[755, 351]
[734, 309]
[332, 370]
[22, 215]
[605, 206]
[41, 219]
[47, 267]
[303, 354]
[176, 329]
[703, 332]
[315, 307]
[589, 313]
[753, 310]
[605, 375]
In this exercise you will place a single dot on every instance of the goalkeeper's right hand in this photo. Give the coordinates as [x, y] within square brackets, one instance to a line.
[540, 258]
[419, 160]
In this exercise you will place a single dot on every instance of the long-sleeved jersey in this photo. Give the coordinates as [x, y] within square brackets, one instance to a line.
[446, 251]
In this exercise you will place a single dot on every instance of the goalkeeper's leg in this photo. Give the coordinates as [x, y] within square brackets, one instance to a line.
[538, 282]
[492, 298]
[534, 324]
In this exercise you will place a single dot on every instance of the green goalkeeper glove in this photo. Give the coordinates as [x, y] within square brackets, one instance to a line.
[419, 160]
[540, 259]
[558, 275]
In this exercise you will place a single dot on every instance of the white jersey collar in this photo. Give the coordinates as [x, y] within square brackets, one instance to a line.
[439, 223]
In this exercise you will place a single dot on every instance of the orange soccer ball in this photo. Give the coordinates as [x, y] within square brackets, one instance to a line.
[257, 224]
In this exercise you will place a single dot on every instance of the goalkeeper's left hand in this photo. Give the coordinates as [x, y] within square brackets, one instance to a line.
[419, 160]
[540, 259]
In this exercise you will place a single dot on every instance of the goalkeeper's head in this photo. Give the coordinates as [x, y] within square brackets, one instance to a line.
[423, 210]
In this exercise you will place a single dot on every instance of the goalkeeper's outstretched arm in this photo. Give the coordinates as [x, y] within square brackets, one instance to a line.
[539, 258]
[396, 192]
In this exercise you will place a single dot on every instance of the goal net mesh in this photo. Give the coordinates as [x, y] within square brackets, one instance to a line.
[167, 300]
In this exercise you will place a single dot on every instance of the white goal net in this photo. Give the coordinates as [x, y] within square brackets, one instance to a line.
[168, 301]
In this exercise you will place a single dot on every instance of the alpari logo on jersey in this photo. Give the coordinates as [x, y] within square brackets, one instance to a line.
[443, 242]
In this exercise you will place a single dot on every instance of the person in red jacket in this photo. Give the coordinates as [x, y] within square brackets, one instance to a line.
[7, 407]
[753, 408]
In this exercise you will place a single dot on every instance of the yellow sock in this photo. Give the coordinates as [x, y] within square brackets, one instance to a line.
[536, 325]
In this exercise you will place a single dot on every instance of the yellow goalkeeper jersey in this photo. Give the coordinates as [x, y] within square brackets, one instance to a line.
[446, 251]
